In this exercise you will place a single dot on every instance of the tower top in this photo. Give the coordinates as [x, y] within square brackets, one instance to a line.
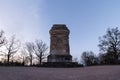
[59, 27]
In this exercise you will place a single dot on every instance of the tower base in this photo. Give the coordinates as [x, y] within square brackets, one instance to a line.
[59, 58]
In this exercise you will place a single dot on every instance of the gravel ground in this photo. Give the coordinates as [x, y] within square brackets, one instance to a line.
[85, 73]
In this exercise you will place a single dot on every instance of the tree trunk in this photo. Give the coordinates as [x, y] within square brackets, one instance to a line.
[31, 61]
[40, 61]
[8, 59]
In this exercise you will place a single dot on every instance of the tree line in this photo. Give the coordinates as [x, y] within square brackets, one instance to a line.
[109, 45]
[12, 52]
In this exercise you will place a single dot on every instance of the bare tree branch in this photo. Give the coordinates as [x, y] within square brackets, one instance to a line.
[12, 47]
[110, 44]
[40, 49]
[2, 38]
[30, 47]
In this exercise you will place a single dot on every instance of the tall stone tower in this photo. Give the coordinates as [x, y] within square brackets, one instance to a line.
[59, 44]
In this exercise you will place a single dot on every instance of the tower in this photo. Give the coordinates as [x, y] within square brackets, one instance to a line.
[59, 44]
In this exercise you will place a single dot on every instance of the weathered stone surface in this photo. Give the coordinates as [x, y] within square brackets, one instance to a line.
[59, 44]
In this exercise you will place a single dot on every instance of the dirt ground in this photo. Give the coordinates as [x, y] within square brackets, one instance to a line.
[36, 73]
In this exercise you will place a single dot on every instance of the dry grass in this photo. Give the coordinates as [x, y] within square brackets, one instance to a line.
[35, 73]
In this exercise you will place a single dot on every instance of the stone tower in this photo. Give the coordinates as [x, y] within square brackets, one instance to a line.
[59, 44]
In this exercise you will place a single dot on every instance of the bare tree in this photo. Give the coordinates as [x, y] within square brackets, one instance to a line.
[12, 47]
[110, 45]
[2, 41]
[75, 59]
[24, 56]
[2, 38]
[30, 51]
[40, 50]
[89, 58]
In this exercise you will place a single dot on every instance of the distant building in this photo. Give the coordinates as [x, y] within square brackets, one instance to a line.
[59, 44]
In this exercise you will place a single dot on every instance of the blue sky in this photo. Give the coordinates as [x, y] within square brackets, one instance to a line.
[86, 19]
